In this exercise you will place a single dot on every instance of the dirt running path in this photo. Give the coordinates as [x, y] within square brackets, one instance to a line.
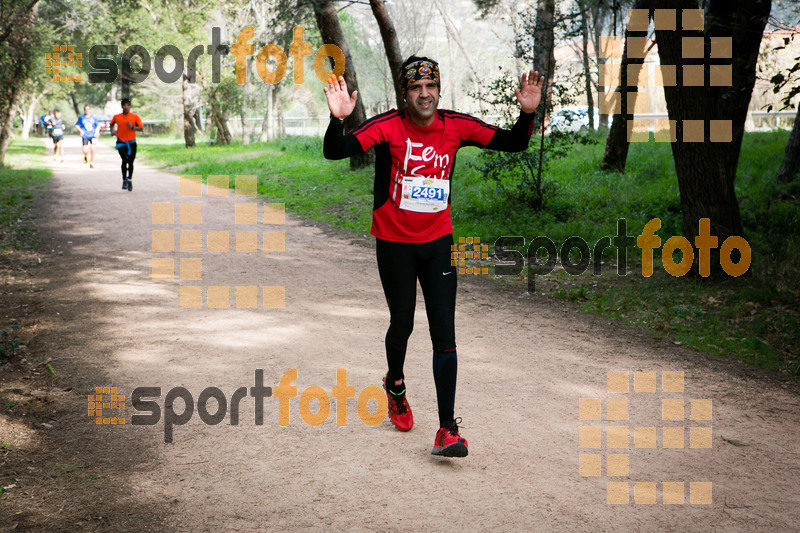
[524, 363]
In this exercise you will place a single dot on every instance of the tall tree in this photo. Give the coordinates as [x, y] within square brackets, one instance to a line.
[18, 38]
[616, 154]
[544, 59]
[791, 159]
[587, 73]
[706, 158]
[331, 31]
[390, 44]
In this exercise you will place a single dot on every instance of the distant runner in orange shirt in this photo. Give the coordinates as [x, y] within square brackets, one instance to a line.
[124, 126]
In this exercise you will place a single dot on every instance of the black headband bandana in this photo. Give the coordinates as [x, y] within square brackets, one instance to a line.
[419, 70]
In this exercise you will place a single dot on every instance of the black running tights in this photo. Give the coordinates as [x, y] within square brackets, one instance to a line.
[400, 265]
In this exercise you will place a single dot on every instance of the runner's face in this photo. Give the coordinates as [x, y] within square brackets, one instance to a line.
[422, 98]
[86, 110]
[126, 108]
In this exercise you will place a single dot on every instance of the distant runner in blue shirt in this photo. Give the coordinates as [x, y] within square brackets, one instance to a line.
[88, 126]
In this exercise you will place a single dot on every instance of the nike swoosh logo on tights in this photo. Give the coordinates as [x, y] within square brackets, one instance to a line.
[446, 273]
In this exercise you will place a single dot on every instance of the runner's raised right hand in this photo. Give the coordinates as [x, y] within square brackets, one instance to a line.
[340, 104]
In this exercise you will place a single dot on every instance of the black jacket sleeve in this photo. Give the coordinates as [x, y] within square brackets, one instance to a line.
[513, 140]
[337, 144]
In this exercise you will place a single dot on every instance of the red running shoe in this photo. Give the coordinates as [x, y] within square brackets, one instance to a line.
[399, 411]
[449, 443]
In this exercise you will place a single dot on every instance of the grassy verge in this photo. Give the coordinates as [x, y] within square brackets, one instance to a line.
[754, 319]
[20, 178]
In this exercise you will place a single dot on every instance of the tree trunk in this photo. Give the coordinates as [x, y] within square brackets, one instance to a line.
[188, 111]
[600, 13]
[243, 118]
[586, 71]
[390, 44]
[30, 113]
[7, 122]
[616, 154]
[264, 137]
[544, 59]
[221, 122]
[706, 168]
[278, 130]
[331, 32]
[74, 104]
[791, 159]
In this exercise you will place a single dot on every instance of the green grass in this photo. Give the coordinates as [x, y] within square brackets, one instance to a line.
[292, 171]
[22, 176]
[754, 318]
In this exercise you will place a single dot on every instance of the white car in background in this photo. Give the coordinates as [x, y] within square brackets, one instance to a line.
[572, 118]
